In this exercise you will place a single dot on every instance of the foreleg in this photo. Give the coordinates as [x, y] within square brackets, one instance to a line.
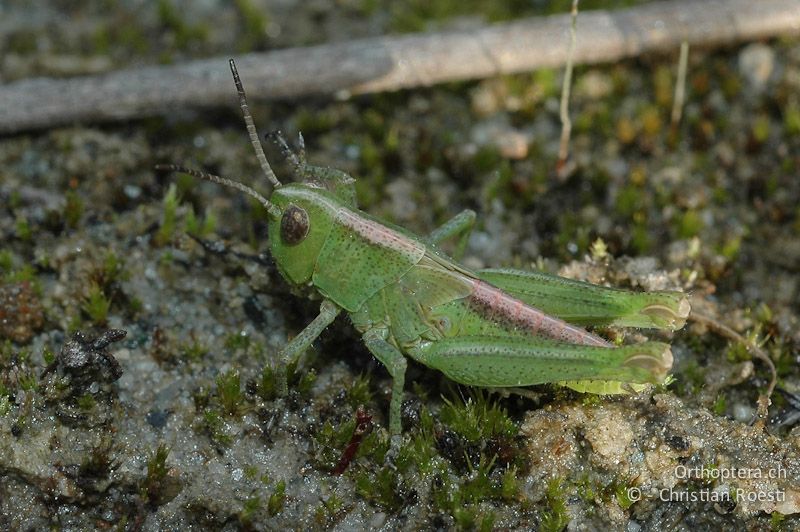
[327, 313]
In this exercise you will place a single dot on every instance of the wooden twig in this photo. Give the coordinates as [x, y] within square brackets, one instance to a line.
[765, 399]
[680, 86]
[394, 62]
[566, 123]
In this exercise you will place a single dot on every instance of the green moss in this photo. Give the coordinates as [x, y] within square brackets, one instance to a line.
[630, 199]
[380, 488]
[359, 392]
[23, 229]
[5, 403]
[185, 35]
[478, 418]
[7, 351]
[730, 248]
[548, 80]
[478, 486]
[213, 425]
[691, 379]
[371, 157]
[251, 472]
[650, 118]
[168, 227]
[25, 274]
[623, 498]
[316, 121]
[194, 351]
[267, 385]
[739, 351]
[330, 440]
[73, 209]
[720, 405]
[640, 239]
[420, 450]
[418, 15]
[96, 305]
[249, 509]
[229, 393]
[235, 341]
[100, 460]
[760, 128]
[663, 387]
[329, 510]
[255, 24]
[201, 227]
[157, 466]
[277, 499]
[474, 518]
[791, 118]
[28, 381]
[48, 356]
[86, 402]
[6, 261]
[763, 314]
[510, 485]
[300, 381]
[153, 483]
[689, 224]
[776, 520]
[486, 159]
[555, 518]
[461, 497]
[22, 42]
[663, 86]
[305, 382]
[113, 269]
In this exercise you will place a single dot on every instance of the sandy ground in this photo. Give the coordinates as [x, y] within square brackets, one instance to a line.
[176, 425]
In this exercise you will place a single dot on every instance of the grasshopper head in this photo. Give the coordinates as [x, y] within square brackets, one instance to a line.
[300, 214]
[296, 236]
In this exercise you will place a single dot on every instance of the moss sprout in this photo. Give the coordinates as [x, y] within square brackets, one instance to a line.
[359, 392]
[255, 23]
[555, 518]
[277, 500]
[622, 494]
[478, 418]
[161, 484]
[73, 209]
[23, 229]
[194, 351]
[381, 488]
[267, 387]
[168, 227]
[201, 227]
[86, 402]
[5, 403]
[96, 305]
[214, 426]
[229, 393]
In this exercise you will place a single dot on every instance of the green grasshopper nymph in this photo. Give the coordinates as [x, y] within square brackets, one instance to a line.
[490, 328]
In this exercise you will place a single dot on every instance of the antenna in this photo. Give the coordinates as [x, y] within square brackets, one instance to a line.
[251, 128]
[272, 209]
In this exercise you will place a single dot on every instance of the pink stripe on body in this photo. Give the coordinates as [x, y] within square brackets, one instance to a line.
[379, 234]
[502, 306]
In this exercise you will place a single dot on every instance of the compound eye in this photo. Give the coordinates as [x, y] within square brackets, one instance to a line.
[294, 225]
